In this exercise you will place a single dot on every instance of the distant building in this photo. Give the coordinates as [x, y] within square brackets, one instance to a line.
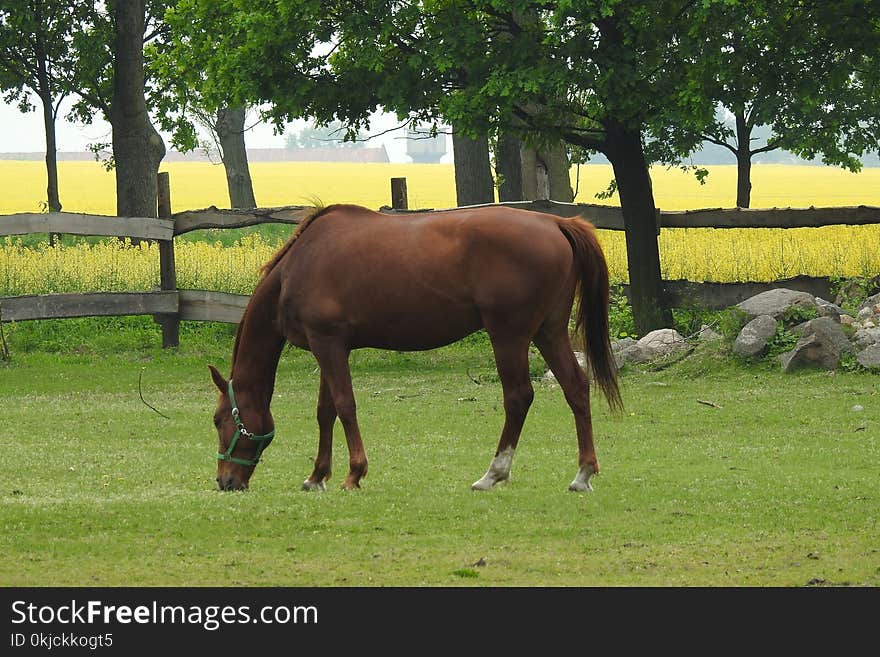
[423, 148]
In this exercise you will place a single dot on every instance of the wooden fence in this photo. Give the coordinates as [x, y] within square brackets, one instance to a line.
[169, 305]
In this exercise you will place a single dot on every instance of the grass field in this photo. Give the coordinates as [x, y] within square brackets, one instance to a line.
[778, 487]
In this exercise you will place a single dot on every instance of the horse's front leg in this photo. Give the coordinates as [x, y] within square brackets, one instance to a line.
[326, 419]
[332, 356]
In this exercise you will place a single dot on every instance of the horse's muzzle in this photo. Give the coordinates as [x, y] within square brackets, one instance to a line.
[231, 483]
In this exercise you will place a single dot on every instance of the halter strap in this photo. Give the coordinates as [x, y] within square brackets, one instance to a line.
[261, 440]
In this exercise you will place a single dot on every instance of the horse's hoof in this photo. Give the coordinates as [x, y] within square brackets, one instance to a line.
[499, 470]
[482, 484]
[310, 485]
[349, 485]
[487, 482]
[581, 483]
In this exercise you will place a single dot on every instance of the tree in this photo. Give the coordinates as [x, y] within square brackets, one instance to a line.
[37, 57]
[137, 146]
[230, 134]
[603, 75]
[473, 173]
[796, 66]
[332, 135]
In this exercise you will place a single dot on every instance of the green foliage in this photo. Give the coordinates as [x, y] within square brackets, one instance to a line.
[798, 314]
[689, 321]
[750, 58]
[333, 135]
[731, 322]
[851, 292]
[782, 341]
[620, 317]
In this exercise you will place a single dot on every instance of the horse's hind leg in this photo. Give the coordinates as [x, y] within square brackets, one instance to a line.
[512, 360]
[332, 357]
[555, 347]
[326, 419]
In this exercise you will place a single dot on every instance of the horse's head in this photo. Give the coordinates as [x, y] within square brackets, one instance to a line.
[240, 448]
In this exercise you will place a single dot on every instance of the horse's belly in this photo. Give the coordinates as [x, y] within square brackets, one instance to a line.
[415, 331]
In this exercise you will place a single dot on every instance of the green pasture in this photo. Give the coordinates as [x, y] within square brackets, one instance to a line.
[780, 486]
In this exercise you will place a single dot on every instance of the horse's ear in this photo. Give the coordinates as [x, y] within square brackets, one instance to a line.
[221, 383]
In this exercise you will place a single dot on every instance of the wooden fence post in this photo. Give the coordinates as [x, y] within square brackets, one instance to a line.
[398, 194]
[167, 270]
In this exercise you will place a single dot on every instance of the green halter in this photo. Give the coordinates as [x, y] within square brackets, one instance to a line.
[262, 441]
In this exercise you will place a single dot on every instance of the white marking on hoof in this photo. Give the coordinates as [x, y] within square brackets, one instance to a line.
[581, 483]
[308, 484]
[499, 470]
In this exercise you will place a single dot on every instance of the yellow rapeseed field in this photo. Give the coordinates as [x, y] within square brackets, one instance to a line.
[694, 254]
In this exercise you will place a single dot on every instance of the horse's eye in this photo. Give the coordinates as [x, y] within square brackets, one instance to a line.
[217, 422]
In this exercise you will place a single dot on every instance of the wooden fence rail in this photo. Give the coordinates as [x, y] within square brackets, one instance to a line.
[170, 305]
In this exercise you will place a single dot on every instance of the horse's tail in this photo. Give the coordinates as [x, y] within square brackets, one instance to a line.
[592, 311]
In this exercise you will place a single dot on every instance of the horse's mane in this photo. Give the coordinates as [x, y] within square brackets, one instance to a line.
[305, 223]
[271, 264]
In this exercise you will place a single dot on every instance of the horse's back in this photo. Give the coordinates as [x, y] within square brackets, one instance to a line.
[421, 280]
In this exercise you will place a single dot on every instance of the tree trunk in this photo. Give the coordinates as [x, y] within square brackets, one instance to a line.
[230, 131]
[546, 174]
[558, 173]
[624, 150]
[743, 162]
[137, 147]
[53, 201]
[509, 166]
[473, 173]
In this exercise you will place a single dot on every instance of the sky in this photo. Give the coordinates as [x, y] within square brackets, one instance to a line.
[23, 133]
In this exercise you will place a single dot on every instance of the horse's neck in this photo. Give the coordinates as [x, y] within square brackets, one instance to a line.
[259, 346]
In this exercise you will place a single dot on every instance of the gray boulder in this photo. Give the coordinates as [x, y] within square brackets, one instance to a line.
[652, 346]
[829, 331]
[706, 334]
[870, 357]
[866, 337]
[754, 336]
[776, 302]
[659, 343]
[828, 309]
[821, 344]
[619, 350]
[620, 345]
[865, 313]
[871, 303]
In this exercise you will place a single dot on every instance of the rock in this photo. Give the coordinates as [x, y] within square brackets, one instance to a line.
[776, 302]
[631, 354]
[870, 303]
[754, 336]
[661, 342]
[829, 331]
[828, 309]
[864, 313]
[870, 357]
[866, 337]
[706, 334]
[847, 319]
[811, 351]
[858, 408]
[620, 345]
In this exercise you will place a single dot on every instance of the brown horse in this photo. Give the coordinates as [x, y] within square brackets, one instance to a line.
[350, 277]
